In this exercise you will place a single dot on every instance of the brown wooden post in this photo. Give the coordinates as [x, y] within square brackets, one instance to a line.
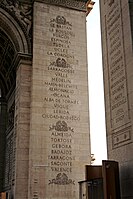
[111, 179]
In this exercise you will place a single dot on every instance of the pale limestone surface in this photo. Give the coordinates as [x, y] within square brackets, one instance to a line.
[59, 145]
[22, 128]
[118, 77]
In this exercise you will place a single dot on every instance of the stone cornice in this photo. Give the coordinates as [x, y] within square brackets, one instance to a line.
[72, 4]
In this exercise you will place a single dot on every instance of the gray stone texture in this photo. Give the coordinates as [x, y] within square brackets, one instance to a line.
[59, 129]
[118, 80]
[47, 145]
[22, 128]
[2, 140]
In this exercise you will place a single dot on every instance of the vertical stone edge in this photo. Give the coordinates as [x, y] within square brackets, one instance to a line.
[120, 141]
[22, 128]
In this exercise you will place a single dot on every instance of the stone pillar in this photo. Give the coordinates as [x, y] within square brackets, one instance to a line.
[118, 78]
[22, 126]
[3, 122]
[59, 130]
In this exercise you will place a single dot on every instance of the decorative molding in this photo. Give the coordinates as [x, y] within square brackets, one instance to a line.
[23, 12]
[61, 126]
[61, 20]
[22, 58]
[121, 138]
[62, 179]
[89, 6]
[73, 4]
[4, 25]
[110, 2]
[61, 63]
[11, 115]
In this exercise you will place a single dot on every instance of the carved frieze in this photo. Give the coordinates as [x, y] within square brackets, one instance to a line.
[60, 62]
[61, 179]
[74, 4]
[22, 11]
[61, 126]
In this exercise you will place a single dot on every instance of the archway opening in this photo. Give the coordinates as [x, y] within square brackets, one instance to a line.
[15, 48]
[7, 106]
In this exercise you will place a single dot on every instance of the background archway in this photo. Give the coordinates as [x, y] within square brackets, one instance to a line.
[14, 46]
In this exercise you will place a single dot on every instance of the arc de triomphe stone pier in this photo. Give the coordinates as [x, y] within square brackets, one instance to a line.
[44, 119]
[117, 42]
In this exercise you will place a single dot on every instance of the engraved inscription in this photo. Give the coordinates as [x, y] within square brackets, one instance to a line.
[61, 154]
[61, 101]
[117, 67]
[60, 86]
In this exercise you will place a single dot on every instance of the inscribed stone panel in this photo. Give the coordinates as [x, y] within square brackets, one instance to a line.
[60, 146]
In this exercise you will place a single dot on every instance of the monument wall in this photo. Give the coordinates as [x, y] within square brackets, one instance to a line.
[59, 145]
[44, 116]
[118, 80]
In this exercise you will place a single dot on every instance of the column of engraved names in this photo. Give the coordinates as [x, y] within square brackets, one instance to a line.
[117, 70]
[61, 97]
